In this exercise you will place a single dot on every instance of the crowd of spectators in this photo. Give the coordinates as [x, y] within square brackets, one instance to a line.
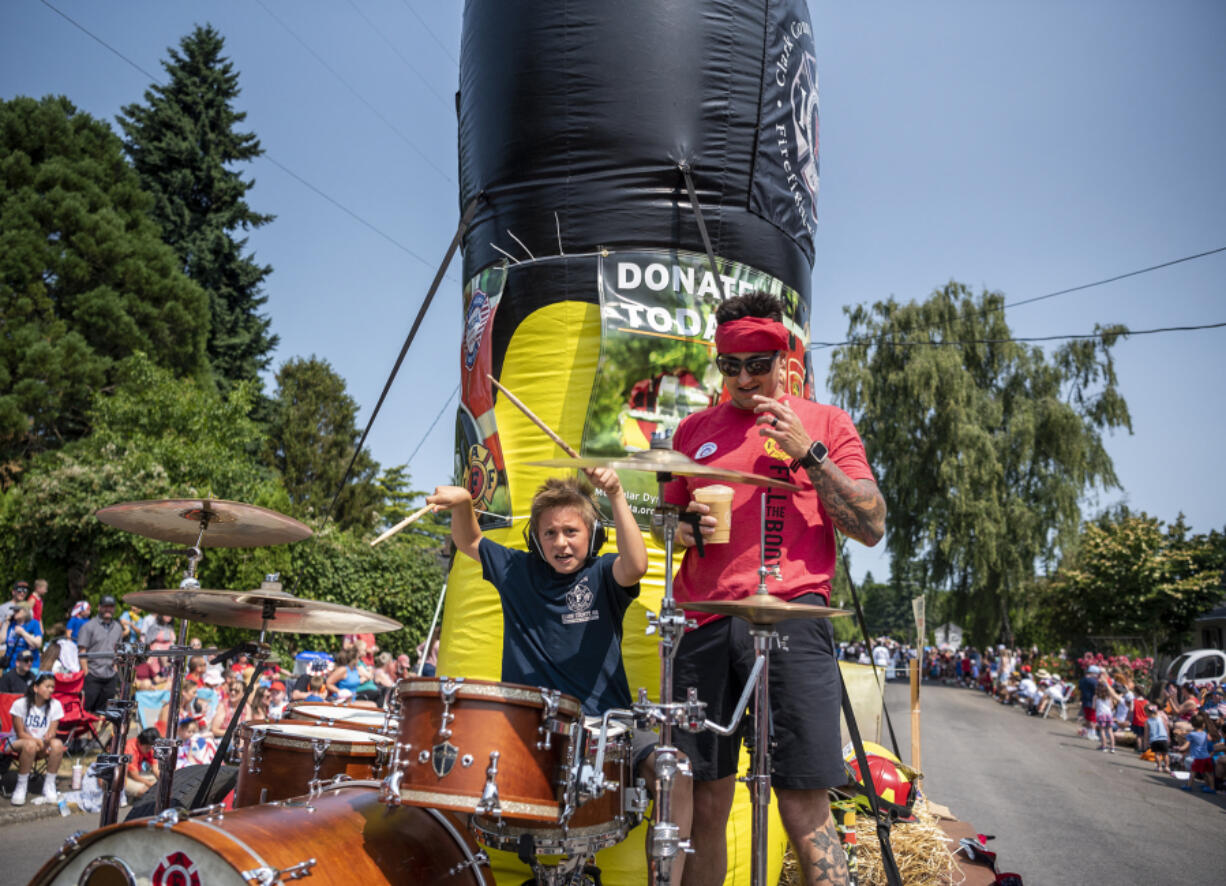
[35, 661]
[1179, 728]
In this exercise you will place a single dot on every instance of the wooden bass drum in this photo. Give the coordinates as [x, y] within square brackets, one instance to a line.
[337, 837]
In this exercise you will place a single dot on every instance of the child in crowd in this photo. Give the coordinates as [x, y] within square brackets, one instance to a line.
[316, 690]
[1105, 700]
[1199, 754]
[35, 716]
[1158, 736]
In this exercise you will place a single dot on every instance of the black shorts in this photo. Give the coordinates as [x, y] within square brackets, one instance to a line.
[1158, 745]
[804, 692]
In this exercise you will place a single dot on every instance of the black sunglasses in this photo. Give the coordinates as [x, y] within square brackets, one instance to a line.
[731, 366]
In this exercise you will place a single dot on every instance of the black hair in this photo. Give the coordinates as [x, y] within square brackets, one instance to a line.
[34, 685]
[750, 304]
[148, 736]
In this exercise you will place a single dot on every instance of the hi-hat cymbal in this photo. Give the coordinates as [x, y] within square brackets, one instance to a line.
[245, 609]
[763, 609]
[666, 461]
[228, 524]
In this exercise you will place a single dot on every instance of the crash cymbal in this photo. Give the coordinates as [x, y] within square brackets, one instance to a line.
[230, 524]
[658, 461]
[245, 609]
[763, 609]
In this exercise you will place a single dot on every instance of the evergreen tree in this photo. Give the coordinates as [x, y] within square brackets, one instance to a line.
[983, 446]
[311, 440]
[183, 143]
[85, 279]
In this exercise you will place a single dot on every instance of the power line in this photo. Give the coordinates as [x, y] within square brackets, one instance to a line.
[1123, 332]
[267, 156]
[388, 123]
[430, 31]
[1026, 301]
[422, 441]
[450, 106]
[1167, 264]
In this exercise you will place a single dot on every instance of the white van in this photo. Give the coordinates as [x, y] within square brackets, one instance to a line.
[1198, 666]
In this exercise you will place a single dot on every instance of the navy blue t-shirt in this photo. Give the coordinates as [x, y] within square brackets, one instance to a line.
[559, 631]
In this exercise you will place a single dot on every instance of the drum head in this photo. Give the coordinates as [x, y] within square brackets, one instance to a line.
[293, 734]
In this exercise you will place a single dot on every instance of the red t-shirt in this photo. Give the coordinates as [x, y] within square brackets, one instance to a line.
[142, 759]
[799, 534]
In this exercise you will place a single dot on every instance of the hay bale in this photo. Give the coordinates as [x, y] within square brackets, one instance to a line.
[921, 849]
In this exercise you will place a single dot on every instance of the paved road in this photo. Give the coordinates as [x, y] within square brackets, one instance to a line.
[1062, 811]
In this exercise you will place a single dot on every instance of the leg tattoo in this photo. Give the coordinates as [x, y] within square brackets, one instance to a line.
[827, 861]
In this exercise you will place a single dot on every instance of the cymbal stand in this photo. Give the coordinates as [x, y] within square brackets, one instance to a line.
[671, 624]
[759, 778]
[113, 765]
[166, 749]
[261, 655]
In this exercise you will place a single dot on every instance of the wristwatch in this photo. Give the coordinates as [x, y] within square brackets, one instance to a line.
[811, 459]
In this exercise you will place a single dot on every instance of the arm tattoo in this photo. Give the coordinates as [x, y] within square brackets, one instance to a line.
[855, 506]
[828, 862]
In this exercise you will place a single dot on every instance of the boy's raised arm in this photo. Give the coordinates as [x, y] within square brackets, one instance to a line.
[465, 531]
[631, 562]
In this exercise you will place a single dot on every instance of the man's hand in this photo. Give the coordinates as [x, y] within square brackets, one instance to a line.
[604, 479]
[780, 422]
[447, 497]
[685, 532]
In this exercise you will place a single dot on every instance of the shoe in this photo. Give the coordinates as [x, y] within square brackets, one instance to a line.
[1205, 789]
[19, 795]
[123, 799]
[50, 795]
[1112, 750]
[1186, 787]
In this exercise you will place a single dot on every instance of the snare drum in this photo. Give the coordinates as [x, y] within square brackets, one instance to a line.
[340, 836]
[362, 715]
[597, 822]
[499, 749]
[282, 759]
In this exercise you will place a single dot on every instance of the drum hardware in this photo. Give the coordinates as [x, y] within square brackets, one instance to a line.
[211, 813]
[255, 743]
[479, 857]
[166, 819]
[98, 868]
[446, 691]
[549, 714]
[489, 804]
[319, 747]
[267, 876]
[70, 843]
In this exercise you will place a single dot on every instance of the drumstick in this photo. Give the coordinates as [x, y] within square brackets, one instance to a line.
[412, 518]
[549, 432]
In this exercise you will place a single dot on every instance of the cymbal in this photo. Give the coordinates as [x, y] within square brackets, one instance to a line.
[763, 609]
[245, 609]
[657, 461]
[231, 524]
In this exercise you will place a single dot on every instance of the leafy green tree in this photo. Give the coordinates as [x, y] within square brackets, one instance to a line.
[156, 437]
[183, 143]
[1129, 577]
[84, 277]
[983, 446]
[311, 439]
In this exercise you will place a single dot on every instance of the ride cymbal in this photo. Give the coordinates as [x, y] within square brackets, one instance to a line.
[666, 461]
[245, 609]
[763, 609]
[228, 524]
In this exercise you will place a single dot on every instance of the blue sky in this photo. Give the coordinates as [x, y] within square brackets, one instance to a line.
[1025, 148]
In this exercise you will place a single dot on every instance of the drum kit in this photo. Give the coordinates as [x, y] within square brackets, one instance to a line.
[448, 765]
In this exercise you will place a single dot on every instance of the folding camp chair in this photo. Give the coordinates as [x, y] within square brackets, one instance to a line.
[76, 722]
[149, 703]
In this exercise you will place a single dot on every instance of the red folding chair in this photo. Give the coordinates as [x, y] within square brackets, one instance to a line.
[7, 756]
[76, 722]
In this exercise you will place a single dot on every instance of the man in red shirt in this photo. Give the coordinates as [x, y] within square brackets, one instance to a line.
[763, 430]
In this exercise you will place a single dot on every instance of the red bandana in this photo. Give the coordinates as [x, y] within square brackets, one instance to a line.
[749, 335]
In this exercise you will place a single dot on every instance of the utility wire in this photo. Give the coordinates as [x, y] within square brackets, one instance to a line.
[1167, 264]
[267, 156]
[1124, 332]
[422, 441]
[449, 105]
[1026, 301]
[388, 123]
[430, 31]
